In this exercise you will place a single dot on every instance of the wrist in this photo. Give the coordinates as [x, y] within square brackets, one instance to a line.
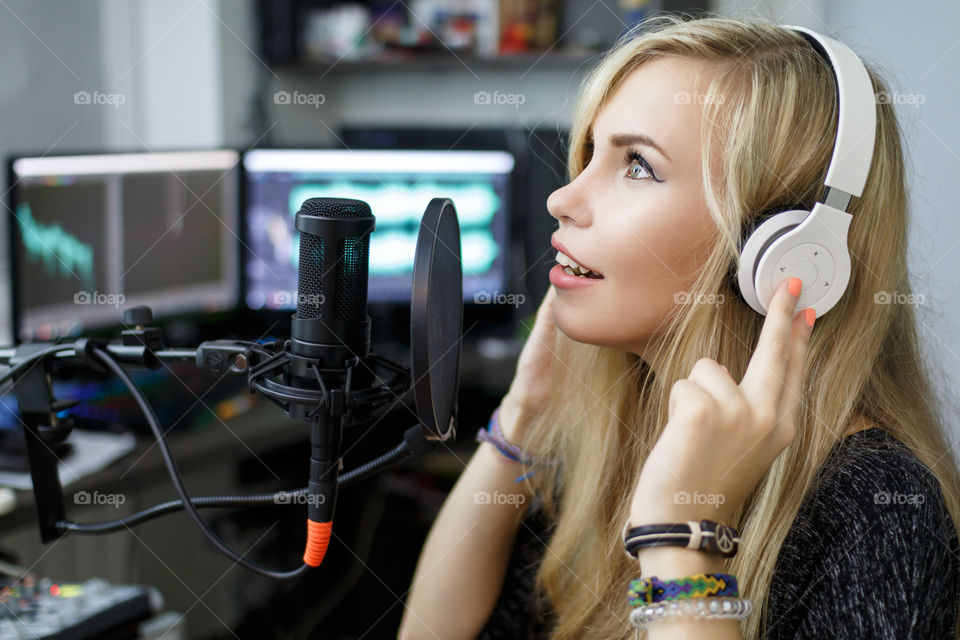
[673, 562]
[513, 417]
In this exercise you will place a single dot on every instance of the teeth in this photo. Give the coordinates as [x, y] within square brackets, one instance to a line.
[572, 267]
[575, 273]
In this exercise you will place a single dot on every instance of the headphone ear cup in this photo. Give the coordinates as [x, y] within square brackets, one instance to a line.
[753, 249]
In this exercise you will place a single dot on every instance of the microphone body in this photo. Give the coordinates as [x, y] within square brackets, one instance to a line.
[329, 330]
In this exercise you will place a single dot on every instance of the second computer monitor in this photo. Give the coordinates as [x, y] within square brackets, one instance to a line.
[397, 185]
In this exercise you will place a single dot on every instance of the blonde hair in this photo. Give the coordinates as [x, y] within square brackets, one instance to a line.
[769, 142]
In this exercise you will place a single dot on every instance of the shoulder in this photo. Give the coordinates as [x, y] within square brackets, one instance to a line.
[867, 472]
[873, 546]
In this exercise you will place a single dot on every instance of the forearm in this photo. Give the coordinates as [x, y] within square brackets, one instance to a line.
[674, 562]
[464, 559]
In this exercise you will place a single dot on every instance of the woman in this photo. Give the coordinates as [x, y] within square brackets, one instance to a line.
[846, 501]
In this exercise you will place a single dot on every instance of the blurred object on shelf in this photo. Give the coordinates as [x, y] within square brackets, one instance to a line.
[339, 33]
[527, 25]
[468, 26]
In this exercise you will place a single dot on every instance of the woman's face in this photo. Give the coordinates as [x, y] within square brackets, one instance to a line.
[637, 212]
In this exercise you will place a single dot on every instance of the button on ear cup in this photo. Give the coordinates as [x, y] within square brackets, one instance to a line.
[756, 245]
[815, 251]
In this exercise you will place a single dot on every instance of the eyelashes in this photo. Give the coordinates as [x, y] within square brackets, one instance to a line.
[632, 158]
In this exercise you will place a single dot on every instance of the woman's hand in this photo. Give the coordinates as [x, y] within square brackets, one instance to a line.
[721, 437]
[531, 382]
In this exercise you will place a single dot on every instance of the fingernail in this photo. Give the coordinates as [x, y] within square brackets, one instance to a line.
[795, 285]
[809, 315]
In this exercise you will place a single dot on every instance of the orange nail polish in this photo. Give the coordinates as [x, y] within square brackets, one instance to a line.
[809, 315]
[795, 285]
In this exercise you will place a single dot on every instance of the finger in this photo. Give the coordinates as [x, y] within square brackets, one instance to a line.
[688, 397]
[793, 387]
[545, 313]
[717, 381]
[766, 373]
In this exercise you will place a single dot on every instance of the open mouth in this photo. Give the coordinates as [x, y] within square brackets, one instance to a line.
[574, 269]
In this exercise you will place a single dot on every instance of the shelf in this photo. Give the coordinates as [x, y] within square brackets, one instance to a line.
[446, 61]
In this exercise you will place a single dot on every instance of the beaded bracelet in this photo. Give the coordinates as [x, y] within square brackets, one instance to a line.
[701, 585]
[738, 608]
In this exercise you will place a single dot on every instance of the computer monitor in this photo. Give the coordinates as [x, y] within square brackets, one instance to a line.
[398, 185]
[93, 234]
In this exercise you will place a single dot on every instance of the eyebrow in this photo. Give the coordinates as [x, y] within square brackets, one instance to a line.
[627, 139]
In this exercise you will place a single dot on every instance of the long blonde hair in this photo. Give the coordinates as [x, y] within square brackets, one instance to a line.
[770, 138]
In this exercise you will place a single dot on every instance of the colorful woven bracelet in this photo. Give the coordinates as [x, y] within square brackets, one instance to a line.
[701, 585]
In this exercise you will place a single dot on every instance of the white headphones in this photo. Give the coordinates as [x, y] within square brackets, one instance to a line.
[812, 245]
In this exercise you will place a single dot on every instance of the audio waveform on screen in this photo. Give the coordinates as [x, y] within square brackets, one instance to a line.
[56, 249]
[398, 203]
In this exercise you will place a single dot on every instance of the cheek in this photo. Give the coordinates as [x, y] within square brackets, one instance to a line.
[656, 249]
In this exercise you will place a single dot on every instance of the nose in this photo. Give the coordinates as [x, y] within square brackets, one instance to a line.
[568, 204]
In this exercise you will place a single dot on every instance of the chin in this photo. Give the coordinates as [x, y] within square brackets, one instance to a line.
[584, 330]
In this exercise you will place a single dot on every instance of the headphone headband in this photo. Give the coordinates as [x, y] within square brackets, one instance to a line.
[857, 118]
[812, 245]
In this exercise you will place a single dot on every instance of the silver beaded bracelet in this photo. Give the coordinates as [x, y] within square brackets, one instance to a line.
[723, 607]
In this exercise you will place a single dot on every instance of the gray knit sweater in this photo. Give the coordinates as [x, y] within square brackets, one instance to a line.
[872, 554]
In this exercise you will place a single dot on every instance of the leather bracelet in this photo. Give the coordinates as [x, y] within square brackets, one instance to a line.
[705, 535]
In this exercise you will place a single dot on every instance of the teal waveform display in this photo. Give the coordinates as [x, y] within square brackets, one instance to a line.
[398, 207]
[57, 250]
[399, 203]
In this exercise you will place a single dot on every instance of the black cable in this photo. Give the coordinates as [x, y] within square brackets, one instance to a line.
[253, 500]
[154, 424]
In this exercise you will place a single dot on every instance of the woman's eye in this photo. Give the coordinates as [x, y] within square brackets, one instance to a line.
[638, 168]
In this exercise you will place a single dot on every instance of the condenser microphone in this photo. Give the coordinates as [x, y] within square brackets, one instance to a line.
[329, 331]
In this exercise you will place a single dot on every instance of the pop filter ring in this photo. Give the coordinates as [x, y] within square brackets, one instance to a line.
[436, 320]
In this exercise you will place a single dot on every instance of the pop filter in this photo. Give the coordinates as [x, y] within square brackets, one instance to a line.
[436, 319]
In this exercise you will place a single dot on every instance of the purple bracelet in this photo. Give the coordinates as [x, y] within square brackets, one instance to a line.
[494, 435]
[498, 433]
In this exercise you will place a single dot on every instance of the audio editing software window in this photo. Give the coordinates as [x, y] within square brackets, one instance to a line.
[92, 234]
[397, 185]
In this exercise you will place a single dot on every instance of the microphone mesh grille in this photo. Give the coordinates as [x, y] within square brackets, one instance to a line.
[351, 263]
[309, 272]
[352, 278]
[335, 208]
